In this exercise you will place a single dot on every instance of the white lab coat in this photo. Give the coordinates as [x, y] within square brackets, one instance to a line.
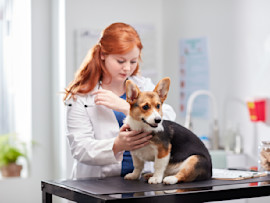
[91, 131]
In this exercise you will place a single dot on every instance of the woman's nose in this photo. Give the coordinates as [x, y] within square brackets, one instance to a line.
[127, 66]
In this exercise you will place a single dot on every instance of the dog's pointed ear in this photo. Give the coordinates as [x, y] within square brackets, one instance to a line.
[162, 88]
[132, 92]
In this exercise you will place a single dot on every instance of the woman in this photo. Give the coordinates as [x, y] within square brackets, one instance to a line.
[96, 105]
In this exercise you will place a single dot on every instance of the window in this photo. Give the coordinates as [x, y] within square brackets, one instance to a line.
[15, 68]
[5, 108]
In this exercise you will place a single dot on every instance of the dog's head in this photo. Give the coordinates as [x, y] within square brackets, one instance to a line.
[146, 107]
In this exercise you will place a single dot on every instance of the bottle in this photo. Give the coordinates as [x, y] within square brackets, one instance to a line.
[238, 141]
[206, 141]
[229, 139]
[233, 141]
[264, 156]
[215, 136]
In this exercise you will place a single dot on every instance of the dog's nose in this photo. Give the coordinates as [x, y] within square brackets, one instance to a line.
[157, 120]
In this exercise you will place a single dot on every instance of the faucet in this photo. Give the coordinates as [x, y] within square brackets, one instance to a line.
[215, 129]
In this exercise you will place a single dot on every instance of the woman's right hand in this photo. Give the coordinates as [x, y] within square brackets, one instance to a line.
[128, 140]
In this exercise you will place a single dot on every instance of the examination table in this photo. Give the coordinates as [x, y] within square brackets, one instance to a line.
[116, 189]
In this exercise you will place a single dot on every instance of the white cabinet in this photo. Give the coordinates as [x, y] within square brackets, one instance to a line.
[223, 159]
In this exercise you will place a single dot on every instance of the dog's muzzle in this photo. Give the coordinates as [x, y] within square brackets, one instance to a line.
[157, 121]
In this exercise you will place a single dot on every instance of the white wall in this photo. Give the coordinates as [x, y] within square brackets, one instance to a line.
[29, 189]
[99, 14]
[236, 33]
[192, 19]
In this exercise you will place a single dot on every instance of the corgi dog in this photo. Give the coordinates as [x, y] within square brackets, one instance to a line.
[177, 153]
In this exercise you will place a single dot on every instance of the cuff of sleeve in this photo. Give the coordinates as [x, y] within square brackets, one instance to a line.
[119, 156]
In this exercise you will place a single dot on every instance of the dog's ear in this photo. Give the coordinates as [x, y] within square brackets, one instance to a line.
[132, 92]
[162, 88]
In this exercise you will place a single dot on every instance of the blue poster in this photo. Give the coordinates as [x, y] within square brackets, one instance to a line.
[194, 75]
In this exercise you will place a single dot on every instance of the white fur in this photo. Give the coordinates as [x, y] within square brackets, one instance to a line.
[172, 170]
[147, 153]
[141, 126]
[169, 180]
[138, 167]
[151, 119]
[139, 156]
[160, 166]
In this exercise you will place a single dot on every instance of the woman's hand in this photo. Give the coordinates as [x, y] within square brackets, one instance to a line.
[130, 140]
[111, 100]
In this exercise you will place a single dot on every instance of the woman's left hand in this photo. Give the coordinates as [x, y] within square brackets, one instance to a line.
[111, 100]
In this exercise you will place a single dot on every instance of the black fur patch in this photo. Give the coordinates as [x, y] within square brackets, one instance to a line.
[184, 144]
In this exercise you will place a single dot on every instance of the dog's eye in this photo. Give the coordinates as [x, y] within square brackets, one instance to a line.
[145, 107]
[158, 106]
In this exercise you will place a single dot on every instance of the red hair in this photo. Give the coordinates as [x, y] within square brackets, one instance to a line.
[118, 38]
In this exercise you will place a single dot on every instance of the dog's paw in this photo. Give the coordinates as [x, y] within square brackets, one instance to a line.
[147, 176]
[170, 180]
[131, 176]
[155, 180]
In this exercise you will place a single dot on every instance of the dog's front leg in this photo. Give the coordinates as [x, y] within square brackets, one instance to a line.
[138, 167]
[159, 166]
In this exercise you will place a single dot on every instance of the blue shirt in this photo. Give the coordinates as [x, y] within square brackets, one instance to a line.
[127, 163]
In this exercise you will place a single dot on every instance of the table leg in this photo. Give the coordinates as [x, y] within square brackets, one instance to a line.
[46, 197]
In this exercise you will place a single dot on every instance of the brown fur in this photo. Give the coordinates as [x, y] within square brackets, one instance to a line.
[188, 170]
[162, 152]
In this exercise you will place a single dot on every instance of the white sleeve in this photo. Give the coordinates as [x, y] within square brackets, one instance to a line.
[168, 112]
[81, 136]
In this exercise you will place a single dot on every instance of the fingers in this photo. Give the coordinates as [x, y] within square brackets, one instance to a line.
[107, 98]
[99, 98]
[102, 102]
[125, 127]
[138, 140]
[110, 100]
[132, 136]
[140, 145]
[142, 141]
[140, 135]
[101, 95]
[99, 91]
[131, 140]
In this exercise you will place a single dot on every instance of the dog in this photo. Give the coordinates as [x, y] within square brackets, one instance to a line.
[178, 154]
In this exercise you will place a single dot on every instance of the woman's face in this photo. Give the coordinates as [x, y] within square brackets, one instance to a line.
[121, 66]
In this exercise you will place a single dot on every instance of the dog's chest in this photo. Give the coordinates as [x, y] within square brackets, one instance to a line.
[146, 153]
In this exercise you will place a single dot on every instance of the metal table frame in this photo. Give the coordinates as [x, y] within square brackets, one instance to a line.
[214, 193]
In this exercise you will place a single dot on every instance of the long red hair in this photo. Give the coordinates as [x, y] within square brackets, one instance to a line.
[118, 38]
